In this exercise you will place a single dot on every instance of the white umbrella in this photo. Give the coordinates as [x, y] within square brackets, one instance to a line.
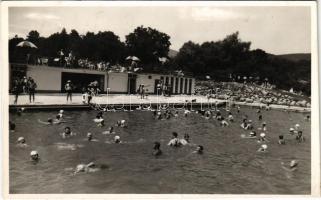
[134, 58]
[26, 44]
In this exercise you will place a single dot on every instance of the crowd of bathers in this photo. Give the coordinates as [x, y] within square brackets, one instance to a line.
[165, 113]
[250, 93]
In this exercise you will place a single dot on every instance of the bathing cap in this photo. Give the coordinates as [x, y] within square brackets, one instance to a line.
[117, 137]
[291, 129]
[250, 121]
[89, 134]
[61, 111]
[20, 139]
[122, 121]
[262, 134]
[80, 167]
[293, 163]
[264, 146]
[33, 153]
[264, 123]
[297, 125]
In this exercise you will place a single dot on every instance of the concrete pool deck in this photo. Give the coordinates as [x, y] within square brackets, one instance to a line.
[58, 100]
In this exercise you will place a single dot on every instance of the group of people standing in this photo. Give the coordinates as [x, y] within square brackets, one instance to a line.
[164, 89]
[24, 85]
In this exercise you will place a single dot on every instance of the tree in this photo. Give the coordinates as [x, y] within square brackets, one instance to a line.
[148, 44]
[33, 36]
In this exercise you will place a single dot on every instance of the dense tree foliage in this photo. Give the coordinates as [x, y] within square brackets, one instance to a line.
[231, 56]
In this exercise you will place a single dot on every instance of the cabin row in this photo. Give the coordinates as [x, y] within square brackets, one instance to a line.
[53, 79]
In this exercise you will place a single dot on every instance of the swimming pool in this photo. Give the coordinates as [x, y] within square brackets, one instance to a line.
[229, 165]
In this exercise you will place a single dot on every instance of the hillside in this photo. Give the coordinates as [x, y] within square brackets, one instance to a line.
[296, 56]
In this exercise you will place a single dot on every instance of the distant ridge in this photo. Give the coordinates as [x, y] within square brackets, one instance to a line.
[296, 56]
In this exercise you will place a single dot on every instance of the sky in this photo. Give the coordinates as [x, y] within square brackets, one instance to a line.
[277, 30]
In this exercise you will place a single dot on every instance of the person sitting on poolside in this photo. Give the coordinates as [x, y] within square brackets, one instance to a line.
[300, 138]
[117, 139]
[292, 166]
[175, 142]
[12, 126]
[34, 156]
[281, 139]
[157, 151]
[199, 149]
[263, 148]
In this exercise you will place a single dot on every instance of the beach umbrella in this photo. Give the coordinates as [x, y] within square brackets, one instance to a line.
[26, 44]
[134, 58]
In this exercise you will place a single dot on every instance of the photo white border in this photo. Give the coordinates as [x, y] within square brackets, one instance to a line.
[315, 137]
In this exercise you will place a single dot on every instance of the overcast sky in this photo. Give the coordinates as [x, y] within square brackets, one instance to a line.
[277, 30]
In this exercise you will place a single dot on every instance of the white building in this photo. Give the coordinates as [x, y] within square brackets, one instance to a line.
[53, 79]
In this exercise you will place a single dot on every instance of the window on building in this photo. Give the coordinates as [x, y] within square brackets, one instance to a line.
[190, 86]
[181, 86]
[176, 85]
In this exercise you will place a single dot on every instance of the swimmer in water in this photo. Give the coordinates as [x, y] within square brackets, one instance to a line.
[291, 131]
[262, 138]
[263, 148]
[60, 113]
[34, 156]
[123, 123]
[117, 139]
[90, 167]
[67, 133]
[260, 117]
[109, 131]
[292, 166]
[175, 142]
[157, 151]
[186, 137]
[186, 112]
[238, 109]
[251, 135]
[224, 123]
[300, 138]
[12, 126]
[258, 110]
[21, 142]
[297, 127]
[230, 117]
[89, 136]
[176, 114]
[99, 120]
[118, 123]
[281, 139]
[199, 149]
[307, 118]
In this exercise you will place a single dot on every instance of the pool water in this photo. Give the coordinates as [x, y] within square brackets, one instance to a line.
[229, 165]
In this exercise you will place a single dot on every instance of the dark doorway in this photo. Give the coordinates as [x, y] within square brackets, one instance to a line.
[190, 87]
[131, 84]
[81, 81]
[155, 86]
